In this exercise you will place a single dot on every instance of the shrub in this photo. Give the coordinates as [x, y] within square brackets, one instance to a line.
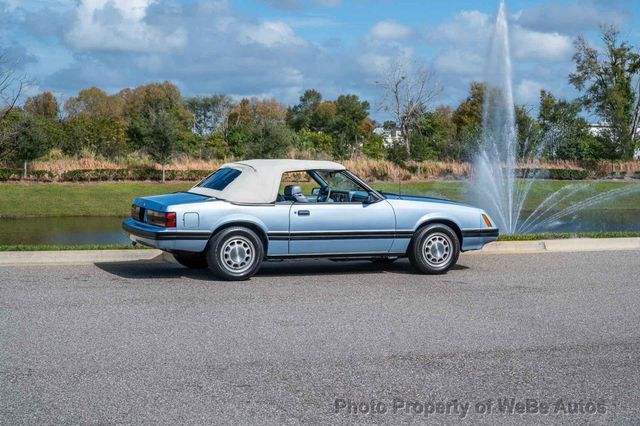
[556, 174]
[568, 174]
[16, 174]
[98, 175]
[10, 174]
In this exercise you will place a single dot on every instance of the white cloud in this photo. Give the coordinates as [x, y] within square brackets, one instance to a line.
[390, 31]
[462, 46]
[528, 44]
[571, 18]
[528, 92]
[120, 25]
[269, 34]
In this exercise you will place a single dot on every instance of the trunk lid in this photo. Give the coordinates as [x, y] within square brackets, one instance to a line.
[161, 202]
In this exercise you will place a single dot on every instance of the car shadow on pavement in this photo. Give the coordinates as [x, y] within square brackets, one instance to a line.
[150, 270]
[328, 267]
[160, 270]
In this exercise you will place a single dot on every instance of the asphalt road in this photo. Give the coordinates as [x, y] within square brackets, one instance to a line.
[160, 344]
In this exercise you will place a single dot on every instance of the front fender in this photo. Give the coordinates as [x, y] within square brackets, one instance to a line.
[437, 217]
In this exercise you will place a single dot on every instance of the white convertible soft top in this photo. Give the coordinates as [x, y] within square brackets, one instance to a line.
[260, 179]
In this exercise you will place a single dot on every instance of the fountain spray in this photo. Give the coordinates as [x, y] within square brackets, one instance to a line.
[494, 174]
[494, 186]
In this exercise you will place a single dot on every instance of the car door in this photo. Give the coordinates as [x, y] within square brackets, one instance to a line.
[342, 227]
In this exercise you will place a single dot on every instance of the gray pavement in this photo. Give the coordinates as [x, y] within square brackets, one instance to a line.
[155, 343]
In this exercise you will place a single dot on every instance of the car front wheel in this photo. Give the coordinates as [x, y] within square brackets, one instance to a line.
[434, 249]
[235, 253]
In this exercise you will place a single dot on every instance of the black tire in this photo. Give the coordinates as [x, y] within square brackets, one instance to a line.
[434, 249]
[195, 261]
[235, 254]
[383, 260]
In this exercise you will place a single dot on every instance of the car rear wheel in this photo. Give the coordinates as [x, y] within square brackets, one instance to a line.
[434, 249]
[196, 261]
[235, 254]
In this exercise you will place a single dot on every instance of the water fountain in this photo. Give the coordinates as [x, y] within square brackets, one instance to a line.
[497, 184]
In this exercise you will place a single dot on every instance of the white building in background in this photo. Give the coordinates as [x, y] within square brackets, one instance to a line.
[390, 136]
[596, 129]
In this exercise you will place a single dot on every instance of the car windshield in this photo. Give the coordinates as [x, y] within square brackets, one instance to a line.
[220, 179]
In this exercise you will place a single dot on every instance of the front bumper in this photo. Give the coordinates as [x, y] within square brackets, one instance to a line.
[475, 239]
[168, 239]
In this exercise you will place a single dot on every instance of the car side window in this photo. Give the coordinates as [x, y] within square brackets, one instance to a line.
[296, 187]
[220, 179]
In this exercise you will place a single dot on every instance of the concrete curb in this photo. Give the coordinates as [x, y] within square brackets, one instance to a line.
[514, 246]
[567, 245]
[78, 257]
[83, 257]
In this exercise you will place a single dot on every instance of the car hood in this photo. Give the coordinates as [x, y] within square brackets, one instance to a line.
[161, 202]
[392, 196]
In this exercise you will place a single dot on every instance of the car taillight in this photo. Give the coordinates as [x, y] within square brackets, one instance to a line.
[170, 220]
[165, 219]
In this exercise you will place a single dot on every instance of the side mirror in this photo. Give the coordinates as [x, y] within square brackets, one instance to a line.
[315, 191]
[370, 199]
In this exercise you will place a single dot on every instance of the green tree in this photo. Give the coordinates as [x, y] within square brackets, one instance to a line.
[300, 116]
[95, 102]
[28, 140]
[161, 136]
[389, 125]
[315, 141]
[528, 134]
[609, 82]
[373, 147]
[350, 112]
[238, 140]
[42, 105]
[144, 104]
[210, 113]
[563, 132]
[467, 119]
[434, 136]
[216, 146]
[324, 117]
[99, 134]
[270, 140]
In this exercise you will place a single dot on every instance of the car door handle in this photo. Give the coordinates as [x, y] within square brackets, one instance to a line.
[303, 213]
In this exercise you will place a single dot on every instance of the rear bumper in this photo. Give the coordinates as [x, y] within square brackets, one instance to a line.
[165, 239]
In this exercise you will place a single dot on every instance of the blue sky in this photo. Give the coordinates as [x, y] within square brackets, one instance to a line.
[279, 48]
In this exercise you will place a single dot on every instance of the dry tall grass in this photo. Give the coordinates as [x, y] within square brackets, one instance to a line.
[375, 170]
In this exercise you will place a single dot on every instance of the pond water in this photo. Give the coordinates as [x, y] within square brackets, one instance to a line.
[107, 230]
[63, 230]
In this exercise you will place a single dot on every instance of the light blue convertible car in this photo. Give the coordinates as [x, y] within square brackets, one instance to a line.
[240, 215]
